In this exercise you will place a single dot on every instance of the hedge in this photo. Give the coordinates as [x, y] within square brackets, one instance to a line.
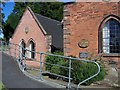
[81, 70]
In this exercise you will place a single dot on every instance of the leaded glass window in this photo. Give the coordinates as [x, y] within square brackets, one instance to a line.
[111, 36]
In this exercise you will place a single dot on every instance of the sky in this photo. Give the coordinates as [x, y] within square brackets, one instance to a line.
[8, 9]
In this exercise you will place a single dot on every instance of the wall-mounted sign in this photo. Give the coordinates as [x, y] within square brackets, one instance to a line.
[83, 54]
[83, 43]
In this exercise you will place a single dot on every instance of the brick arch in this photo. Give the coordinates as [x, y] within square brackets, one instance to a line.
[107, 18]
[31, 39]
[22, 40]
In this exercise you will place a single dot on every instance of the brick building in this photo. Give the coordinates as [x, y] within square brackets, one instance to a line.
[92, 28]
[38, 33]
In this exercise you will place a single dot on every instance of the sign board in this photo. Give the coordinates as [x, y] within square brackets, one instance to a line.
[83, 54]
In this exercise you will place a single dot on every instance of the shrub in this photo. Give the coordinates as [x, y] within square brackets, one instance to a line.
[53, 60]
[81, 70]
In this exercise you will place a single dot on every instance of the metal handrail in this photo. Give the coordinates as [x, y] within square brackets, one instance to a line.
[92, 75]
[43, 62]
[58, 65]
[66, 57]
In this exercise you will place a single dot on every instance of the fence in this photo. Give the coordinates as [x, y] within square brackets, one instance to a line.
[43, 66]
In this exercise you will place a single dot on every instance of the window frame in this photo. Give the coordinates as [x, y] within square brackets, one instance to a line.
[28, 45]
[100, 37]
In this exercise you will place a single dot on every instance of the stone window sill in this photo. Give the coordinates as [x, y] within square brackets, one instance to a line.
[111, 55]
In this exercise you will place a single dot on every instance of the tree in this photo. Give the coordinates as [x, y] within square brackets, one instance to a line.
[8, 31]
[53, 10]
[1, 16]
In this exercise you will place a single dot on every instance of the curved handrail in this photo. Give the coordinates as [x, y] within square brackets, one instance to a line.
[92, 75]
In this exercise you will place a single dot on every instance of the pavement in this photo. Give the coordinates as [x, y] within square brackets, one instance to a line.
[13, 78]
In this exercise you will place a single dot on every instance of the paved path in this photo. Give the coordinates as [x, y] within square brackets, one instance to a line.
[12, 77]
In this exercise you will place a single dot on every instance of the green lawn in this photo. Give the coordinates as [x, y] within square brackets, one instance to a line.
[2, 87]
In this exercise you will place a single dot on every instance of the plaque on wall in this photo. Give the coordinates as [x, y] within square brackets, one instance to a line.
[26, 30]
[83, 43]
[83, 54]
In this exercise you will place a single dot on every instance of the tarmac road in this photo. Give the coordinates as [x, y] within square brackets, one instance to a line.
[12, 76]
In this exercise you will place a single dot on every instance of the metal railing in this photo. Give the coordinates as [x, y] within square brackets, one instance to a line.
[15, 51]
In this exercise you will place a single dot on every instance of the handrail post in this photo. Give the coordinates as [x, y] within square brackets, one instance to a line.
[69, 85]
[2, 46]
[14, 51]
[19, 57]
[9, 49]
[41, 66]
[18, 53]
[24, 65]
[6, 47]
[24, 56]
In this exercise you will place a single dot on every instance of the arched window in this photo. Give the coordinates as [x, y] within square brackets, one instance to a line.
[31, 48]
[111, 36]
[22, 48]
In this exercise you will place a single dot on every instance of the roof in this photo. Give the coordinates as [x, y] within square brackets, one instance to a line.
[53, 28]
[50, 27]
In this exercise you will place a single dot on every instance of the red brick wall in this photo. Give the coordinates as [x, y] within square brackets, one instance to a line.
[34, 32]
[82, 21]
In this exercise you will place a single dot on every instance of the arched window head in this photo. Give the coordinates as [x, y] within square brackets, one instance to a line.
[111, 36]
